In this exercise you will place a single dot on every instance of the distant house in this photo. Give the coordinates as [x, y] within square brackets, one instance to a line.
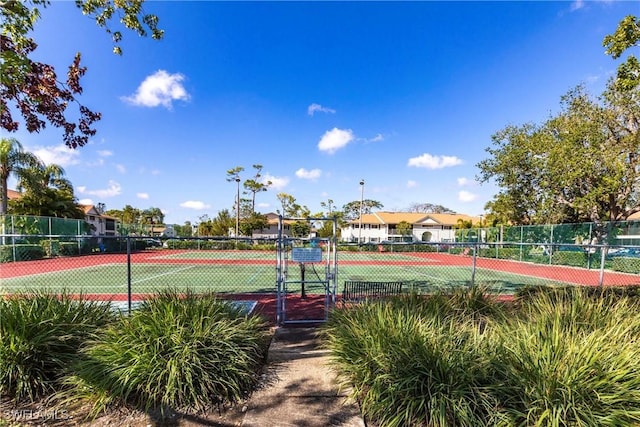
[271, 231]
[101, 225]
[383, 226]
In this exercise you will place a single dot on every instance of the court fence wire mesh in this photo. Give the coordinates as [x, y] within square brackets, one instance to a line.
[128, 269]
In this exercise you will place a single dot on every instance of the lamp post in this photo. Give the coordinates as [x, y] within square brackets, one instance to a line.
[237, 207]
[361, 202]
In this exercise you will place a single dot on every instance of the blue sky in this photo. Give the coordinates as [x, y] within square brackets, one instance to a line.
[404, 95]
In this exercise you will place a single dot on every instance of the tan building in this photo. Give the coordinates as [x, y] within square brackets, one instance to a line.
[271, 232]
[101, 225]
[383, 226]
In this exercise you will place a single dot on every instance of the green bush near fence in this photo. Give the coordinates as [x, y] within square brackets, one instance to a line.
[570, 258]
[40, 336]
[177, 350]
[23, 252]
[500, 253]
[626, 265]
[205, 244]
[69, 248]
[51, 247]
[556, 357]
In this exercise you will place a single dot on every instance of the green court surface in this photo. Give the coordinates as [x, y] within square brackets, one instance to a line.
[255, 278]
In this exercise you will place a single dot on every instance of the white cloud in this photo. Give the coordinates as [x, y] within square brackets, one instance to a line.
[105, 153]
[277, 183]
[85, 202]
[411, 184]
[335, 139]
[113, 189]
[143, 196]
[313, 174]
[60, 155]
[311, 109]
[193, 204]
[377, 138]
[262, 205]
[121, 169]
[160, 88]
[434, 162]
[466, 196]
[462, 181]
[577, 4]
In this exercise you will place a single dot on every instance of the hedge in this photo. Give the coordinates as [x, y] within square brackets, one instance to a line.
[626, 265]
[25, 252]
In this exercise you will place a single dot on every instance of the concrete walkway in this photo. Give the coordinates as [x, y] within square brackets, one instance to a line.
[301, 390]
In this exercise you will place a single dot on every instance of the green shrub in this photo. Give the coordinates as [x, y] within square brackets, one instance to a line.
[51, 248]
[207, 244]
[500, 253]
[557, 357]
[177, 350]
[570, 258]
[412, 361]
[626, 265]
[21, 252]
[69, 248]
[40, 335]
[570, 359]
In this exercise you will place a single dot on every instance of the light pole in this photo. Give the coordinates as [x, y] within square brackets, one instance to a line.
[361, 202]
[237, 206]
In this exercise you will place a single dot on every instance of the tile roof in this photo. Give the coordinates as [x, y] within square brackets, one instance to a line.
[413, 218]
[12, 194]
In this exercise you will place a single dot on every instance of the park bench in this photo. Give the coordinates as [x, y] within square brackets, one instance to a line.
[356, 291]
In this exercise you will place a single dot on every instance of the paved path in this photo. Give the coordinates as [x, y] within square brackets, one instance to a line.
[301, 390]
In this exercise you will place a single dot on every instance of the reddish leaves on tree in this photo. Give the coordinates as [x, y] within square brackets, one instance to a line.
[39, 97]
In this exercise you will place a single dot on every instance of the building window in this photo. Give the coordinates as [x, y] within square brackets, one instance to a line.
[92, 218]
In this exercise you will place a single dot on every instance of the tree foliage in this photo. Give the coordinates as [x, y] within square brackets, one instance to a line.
[255, 185]
[352, 209]
[14, 160]
[33, 89]
[581, 164]
[404, 228]
[627, 35]
[429, 208]
[255, 221]
[45, 192]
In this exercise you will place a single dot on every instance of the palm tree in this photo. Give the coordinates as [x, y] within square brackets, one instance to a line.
[38, 179]
[13, 160]
[46, 193]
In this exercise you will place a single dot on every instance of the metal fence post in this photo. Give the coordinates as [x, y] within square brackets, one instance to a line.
[473, 266]
[602, 259]
[129, 274]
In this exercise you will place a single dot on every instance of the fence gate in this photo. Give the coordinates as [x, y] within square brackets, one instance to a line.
[306, 269]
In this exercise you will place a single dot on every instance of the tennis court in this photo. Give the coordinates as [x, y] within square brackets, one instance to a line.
[230, 272]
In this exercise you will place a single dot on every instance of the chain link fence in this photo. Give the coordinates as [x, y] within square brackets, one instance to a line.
[58, 256]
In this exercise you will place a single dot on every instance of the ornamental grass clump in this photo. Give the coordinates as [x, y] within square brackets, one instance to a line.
[40, 337]
[178, 350]
[570, 358]
[411, 362]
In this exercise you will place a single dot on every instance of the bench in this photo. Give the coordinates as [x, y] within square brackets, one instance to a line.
[357, 291]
